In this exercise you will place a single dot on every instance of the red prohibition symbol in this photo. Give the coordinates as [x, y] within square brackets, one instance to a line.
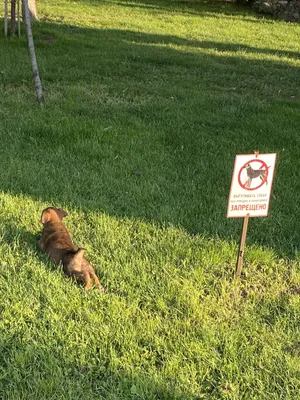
[254, 173]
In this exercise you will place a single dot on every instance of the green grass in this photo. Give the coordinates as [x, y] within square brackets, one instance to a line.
[147, 103]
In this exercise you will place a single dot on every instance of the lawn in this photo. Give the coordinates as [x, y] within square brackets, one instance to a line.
[146, 105]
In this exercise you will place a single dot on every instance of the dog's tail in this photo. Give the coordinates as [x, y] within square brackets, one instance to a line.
[261, 167]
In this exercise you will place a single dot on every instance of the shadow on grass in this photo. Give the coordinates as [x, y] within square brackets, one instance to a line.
[202, 8]
[138, 128]
[15, 236]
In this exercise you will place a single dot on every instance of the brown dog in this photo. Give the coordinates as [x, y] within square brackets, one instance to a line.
[57, 243]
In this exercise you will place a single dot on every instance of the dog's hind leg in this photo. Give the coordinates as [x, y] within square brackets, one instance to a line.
[87, 280]
[97, 282]
[262, 177]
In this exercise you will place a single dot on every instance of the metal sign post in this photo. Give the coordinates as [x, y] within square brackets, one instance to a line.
[250, 193]
[240, 258]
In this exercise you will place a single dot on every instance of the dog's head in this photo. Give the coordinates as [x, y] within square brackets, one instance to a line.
[53, 214]
[247, 166]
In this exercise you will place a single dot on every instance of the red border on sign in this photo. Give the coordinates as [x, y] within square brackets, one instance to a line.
[243, 186]
[232, 180]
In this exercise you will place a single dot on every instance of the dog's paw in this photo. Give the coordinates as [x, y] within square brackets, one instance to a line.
[101, 289]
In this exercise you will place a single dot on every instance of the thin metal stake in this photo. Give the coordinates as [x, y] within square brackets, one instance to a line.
[5, 17]
[19, 19]
[12, 17]
[239, 262]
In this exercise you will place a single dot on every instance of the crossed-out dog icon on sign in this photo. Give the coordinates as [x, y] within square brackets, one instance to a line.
[254, 169]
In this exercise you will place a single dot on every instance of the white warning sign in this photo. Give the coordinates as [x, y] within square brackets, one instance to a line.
[251, 185]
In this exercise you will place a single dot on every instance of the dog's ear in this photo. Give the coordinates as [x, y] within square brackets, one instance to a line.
[61, 213]
[46, 216]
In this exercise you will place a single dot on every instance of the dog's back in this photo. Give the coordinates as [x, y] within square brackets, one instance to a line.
[57, 243]
[56, 240]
